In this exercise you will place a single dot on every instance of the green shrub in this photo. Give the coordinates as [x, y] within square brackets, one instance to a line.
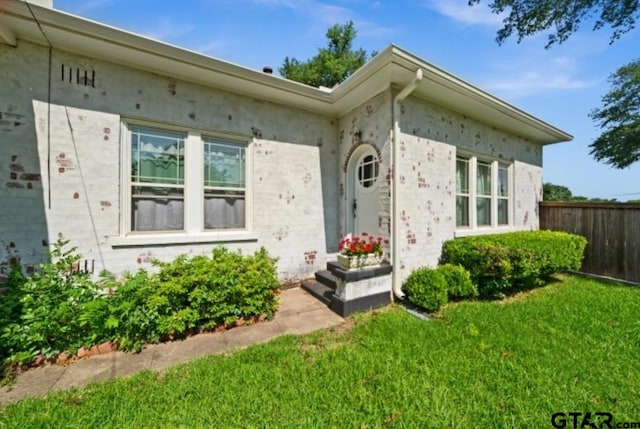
[57, 310]
[426, 288]
[192, 294]
[498, 263]
[134, 310]
[459, 284]
[60, 308]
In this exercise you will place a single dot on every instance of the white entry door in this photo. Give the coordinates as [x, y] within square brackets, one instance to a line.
[364, 171]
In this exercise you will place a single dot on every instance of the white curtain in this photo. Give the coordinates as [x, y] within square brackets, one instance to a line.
[158, 215]
[462, 187]
[223, 213]
[483, 194]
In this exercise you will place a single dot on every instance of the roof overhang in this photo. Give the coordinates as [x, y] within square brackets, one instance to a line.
[393, 67]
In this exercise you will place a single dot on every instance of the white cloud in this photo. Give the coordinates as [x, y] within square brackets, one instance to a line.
[291, 4]
[460, 11]
[329, 14]
[210, 47]
[531, 77]
[86, 7]
[167, 30]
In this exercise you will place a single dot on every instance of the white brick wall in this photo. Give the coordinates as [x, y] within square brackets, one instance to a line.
[294, 162]
[430, 137]
[299, 164]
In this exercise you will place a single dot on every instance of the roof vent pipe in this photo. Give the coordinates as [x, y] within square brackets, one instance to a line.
[267, 70]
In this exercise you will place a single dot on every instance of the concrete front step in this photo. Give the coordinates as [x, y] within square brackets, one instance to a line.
[321, 291]
[326, 278]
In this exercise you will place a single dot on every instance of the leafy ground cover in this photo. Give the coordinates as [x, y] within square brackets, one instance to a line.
[570, 346]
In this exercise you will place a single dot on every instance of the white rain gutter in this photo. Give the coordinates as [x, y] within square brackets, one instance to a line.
[395, 156]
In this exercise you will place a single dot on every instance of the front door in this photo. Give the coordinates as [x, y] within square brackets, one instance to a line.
[363, 198]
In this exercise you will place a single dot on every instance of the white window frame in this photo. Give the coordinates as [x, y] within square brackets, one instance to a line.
[194, 230]
[495, 164]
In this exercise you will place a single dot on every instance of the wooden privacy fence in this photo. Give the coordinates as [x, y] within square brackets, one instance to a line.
[613, 231]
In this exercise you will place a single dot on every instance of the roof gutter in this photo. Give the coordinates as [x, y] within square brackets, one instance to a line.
[395, 156]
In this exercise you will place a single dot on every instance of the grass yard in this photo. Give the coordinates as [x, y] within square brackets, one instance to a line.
[571, 346]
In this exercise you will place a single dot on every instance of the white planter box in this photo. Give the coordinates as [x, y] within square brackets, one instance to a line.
[359, 262]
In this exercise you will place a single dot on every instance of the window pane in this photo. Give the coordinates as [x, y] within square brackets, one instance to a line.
[224, 209]
[483, 182]
[368, 171]
[484, 211]
[503, 181]
[157, 157]
[157, 209]
[503, 212]
[462, 211]
[462, 176]
[224, 181]
[224, 164]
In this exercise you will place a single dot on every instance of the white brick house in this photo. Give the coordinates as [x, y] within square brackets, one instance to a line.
[134, 149]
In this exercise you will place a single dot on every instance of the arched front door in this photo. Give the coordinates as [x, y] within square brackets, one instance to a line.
[363, 197]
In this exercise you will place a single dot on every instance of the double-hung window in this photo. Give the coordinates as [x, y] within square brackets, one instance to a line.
[224, 184]
[183, 181]
[157, 180]
[483, 196]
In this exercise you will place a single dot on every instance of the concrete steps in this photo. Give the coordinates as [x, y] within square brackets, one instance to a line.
[322, 287]
[359, 290]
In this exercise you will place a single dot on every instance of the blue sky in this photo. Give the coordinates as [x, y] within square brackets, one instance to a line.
[560, 85]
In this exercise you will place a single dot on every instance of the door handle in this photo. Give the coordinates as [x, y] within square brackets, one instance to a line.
[355, 207]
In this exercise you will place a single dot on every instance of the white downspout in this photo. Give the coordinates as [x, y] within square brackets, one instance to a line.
[395, 156]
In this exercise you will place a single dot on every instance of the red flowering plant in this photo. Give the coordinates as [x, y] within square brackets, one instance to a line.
[364, 245]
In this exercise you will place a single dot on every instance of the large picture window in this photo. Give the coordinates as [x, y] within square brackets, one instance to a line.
[482, 193]
[183, 181]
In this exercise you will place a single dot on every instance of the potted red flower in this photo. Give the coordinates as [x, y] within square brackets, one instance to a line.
[359, 252]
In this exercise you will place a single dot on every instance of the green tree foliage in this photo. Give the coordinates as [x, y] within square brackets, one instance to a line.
[563, 17]
[619, 117]
[619, 145]
[551, 192]
[333, 64]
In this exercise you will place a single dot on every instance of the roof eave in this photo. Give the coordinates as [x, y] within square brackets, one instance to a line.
[393, 66]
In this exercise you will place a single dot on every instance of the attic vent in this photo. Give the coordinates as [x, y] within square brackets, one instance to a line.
[78, 76]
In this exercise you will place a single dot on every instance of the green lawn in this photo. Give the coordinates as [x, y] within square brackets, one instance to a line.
[571, 346]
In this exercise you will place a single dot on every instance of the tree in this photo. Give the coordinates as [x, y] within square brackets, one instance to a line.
[333, 64]
[619, 144]
[528, 17]
[551, 192]
[619, 117]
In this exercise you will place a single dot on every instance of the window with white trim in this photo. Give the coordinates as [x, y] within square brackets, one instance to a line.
[185, 181]
[224, 184]
[483, 196]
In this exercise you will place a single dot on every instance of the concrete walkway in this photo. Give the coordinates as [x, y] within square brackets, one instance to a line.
[299, 313]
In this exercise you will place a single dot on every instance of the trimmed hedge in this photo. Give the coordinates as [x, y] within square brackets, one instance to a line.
[498, 263]
[60, 309]
[459, 284]
[193, 294]
[427, 288]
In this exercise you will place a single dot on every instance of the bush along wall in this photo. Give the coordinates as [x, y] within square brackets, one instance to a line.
[493, 265]
[430, 288]
[59, 309]
[499, 263]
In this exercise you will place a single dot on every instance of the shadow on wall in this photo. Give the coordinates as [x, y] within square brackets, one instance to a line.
[24, 237]
[330, 195]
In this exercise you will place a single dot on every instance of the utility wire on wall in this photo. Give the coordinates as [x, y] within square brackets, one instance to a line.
[33, 15]
[84, 189]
